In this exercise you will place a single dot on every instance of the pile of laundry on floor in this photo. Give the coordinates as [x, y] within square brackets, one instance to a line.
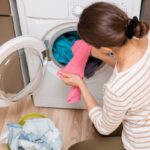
[35, 134]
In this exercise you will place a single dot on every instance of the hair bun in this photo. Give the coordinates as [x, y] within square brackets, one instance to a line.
[141, 29]
[132, 24]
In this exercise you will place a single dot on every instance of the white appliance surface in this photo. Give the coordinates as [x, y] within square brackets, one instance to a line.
[48, 19]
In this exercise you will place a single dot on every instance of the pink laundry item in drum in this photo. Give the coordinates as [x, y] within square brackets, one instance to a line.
[81, 51]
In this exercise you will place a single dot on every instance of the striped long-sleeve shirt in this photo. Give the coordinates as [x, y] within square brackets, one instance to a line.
[127, 99]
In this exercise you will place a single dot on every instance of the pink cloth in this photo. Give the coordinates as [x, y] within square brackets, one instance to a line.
[81, 52]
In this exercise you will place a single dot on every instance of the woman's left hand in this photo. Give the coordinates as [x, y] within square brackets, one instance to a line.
[71, 79]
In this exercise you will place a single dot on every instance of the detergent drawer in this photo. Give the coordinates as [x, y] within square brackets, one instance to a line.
[52, 9]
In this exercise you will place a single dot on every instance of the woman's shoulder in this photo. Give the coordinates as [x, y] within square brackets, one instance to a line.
[123, 84]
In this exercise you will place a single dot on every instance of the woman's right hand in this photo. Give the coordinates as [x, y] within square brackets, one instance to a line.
[71, 79]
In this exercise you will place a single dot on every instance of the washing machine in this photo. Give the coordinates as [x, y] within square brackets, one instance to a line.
[42, 22]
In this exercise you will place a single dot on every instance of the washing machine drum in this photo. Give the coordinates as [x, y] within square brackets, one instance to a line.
[62, 53]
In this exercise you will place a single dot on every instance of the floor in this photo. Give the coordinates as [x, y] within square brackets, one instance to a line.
[74, 125]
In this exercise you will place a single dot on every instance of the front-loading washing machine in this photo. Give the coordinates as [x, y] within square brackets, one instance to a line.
[42, 22]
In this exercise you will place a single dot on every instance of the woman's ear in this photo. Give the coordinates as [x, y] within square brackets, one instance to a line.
[106, 50]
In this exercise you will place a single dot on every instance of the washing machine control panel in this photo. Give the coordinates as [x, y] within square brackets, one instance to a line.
[76, 6]
[70, 9]
[77, 10]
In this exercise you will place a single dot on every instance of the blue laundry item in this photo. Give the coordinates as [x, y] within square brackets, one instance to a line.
[35, 134]
[62, 51]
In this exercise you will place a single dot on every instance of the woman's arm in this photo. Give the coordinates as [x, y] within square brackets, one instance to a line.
[89, 100]
[106, 118]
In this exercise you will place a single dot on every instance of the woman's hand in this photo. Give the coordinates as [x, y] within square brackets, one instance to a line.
[71, 79]
[75, 80]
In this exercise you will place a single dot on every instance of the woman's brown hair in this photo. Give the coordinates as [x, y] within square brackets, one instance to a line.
[104, 24]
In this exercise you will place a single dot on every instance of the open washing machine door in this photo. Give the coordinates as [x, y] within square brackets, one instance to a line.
[13, 61]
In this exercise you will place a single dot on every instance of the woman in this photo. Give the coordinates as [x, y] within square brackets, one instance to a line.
[126, 97]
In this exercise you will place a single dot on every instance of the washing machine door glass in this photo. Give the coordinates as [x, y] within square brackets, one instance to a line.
[21, 68]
